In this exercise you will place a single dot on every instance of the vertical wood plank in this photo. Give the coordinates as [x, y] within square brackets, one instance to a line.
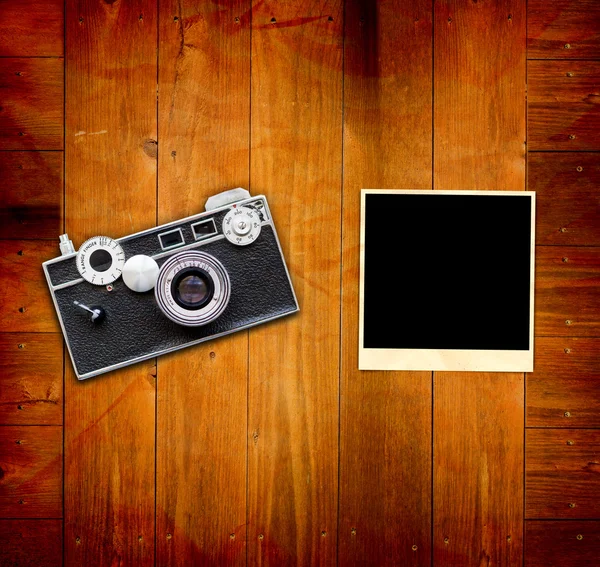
[294, 363]
[32, 28]
[31, 543]
[202, 392]
[110, 189]
[385, 436]
[479, 134]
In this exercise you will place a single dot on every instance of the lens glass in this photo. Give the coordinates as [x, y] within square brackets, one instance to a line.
[100, 260]
[193, 289]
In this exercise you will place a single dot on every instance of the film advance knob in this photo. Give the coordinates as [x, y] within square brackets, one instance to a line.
[140, 273]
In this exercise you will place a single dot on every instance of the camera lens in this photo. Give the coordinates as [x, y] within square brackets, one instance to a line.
[192, 288]
[100, 260]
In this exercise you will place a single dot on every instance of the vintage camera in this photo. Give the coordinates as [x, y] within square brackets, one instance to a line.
[120, 301]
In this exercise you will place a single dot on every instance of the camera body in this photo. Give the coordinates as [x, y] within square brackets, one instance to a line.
[130, 299]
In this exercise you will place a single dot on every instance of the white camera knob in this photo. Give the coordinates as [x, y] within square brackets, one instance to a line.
[140, 273]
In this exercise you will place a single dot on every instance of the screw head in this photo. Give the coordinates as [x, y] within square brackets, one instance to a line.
[414, 548]
[567, 351]
[446, 540]
[261, 536]
[571, 504]
[570, 442]
[567, 46]
[571, 136]
[579, 168]
[579, 537]
[569, 73]
[567, 414]
[568, 322]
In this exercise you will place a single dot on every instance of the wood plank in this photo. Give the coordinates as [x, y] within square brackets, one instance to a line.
[479, 122]
[562, 109]
[385, 425]
[552, 26]
[32, 28]
[31, 543]
[478, 468]
[562, 478]
[479, 135]
[561, 544]
[294, 363]
[31, 471]
[205, 73]
[31, 379]
[566, 291]
[31, 203]
[31, 113]
[110, 189]
[564, 389]
[25, 301]
[567, 197]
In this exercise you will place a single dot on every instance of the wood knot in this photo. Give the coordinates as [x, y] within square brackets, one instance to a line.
[151, 148]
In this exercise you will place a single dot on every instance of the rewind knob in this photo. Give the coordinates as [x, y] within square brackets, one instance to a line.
[140, 273]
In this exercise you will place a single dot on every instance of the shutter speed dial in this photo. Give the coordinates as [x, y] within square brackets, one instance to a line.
[241, 226]
[100, 260]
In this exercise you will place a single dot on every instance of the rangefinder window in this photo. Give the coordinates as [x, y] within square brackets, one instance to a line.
[171, 239]
[204, 229]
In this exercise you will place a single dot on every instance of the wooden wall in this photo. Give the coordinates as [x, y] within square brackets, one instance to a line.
[270, 447]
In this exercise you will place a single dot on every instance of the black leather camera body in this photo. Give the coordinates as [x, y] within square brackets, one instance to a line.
[129, 299]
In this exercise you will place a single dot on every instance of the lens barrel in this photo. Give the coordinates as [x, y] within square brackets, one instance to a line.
[192, 288]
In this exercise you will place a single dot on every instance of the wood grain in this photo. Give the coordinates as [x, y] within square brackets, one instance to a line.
[31, 471]
[202, 392]
[110, 180]
[561, 544]
[552, 26]
[32, 28]
[31, 543]
[31, 112]
[478, 468]
[563, 111]
[479, 135]
[564, 389]
[479, 97]
[31, 203]
[562, 479]
[385, 421]
[294, 363]
[31, 379]
[566, 291]
[567, 197]
[25, 303]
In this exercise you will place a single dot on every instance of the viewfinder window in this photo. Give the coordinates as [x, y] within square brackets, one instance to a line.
[204, 229]
[171, 239]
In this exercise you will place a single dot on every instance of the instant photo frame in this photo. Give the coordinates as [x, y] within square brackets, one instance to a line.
[447, 280]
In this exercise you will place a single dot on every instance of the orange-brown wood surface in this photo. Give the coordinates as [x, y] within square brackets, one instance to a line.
[478, 419]
[30, 472]
[567, 197]
[567, 302]
[32, 28]
[31, 200]
[563, 111]
[31, 379]
[562, 544]
[32, 103]
[293, 389]
[385, 421]
[31, 543]
[270, 447]
[110, 189]
[562, 473]
[563, 29]
[23, 307]
[564, 389]
[202, 392]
